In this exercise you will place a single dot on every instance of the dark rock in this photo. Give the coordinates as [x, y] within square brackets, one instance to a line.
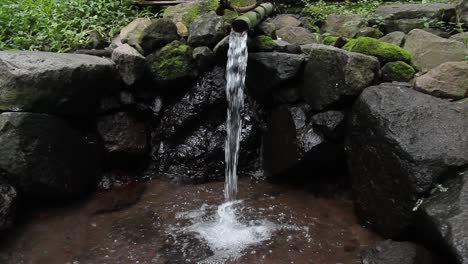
[188, 145]
[204, 58]
[123, 135]
[428, 50]
[267, 70]
[157, 34]
[448, 80]
[369, 32]
[443, 218]
[330, 124]
[130, 63]
[343, 25]
[206, 30]
[400, 142]
[43, 157]
[332, 75]
[96, 41]
[395, 38]
[173, 63]
[221, 49]
[392, 252]
[8, 201]
[132, 33]
[58, 83]
[298, 35]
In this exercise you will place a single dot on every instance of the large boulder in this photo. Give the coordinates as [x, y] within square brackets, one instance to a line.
[130, 64]
[267, 70]
[157, 34]
[206, 30]
[406, 17]
[43, 157]
[188, 145]
[298, 35]
[443, 218]
[343, 25]
[384, 51]
[395, 38]
[56, 83]
[393, 252]
[123, 135]
[333, 75]
[400, 142]
[448, 80]
[428, 50]
[132, 32]
[8, 201]
[174, 62]
[285, 20]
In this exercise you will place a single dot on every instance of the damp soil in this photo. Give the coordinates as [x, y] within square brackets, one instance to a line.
[136, 225]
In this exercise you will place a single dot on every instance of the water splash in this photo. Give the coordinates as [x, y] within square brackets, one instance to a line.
[235, 82]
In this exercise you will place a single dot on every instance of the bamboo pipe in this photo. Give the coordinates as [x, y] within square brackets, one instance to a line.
[252, 18]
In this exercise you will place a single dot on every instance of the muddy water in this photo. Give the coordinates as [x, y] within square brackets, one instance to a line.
[320, 230]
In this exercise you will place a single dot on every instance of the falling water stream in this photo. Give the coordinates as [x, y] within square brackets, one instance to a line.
[235, 82]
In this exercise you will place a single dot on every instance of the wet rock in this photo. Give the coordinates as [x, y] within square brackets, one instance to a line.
[123, 135]
[173, 63]
[188, 146]
[395, 38]
[293, 146]
[130, 63]
[298, 35]
[401, 141]
[204, 58]
[448, 80]
[206, 30]
[397, 71]
[343, 25]
[442, 217]
[221, 49]
[132, 32]
[392, 252]
[206, 93]
[267, 70]
[8, 201]
[285, 20]
[406, 17]
[157, 34]
[58, 83]
[330, 124]
[43, 157]
[428, 50]
[333, 75]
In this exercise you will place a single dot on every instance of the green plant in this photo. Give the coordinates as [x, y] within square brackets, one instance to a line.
[318, 11]
[61, 25]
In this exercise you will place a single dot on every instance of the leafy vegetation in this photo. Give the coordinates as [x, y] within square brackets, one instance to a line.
[61, 25]
[318, 11]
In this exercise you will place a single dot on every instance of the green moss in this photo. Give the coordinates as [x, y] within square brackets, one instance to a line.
[385, 52]
[330, 40]
[263, 43]
[174, 59]
[400, 70]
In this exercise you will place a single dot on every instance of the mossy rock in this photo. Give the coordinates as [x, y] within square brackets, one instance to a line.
[329, 40]
[397, 71]
[187, 12]
[263, 43]
[173, 62]
[384, 51]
